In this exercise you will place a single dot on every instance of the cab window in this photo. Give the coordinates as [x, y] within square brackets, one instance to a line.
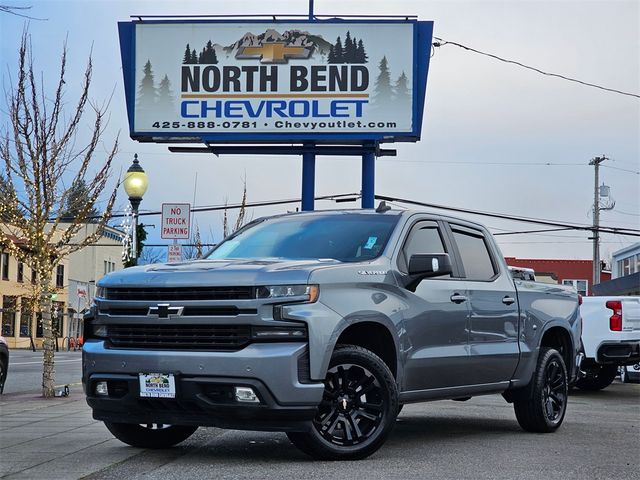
[474, 253]
[425, 237]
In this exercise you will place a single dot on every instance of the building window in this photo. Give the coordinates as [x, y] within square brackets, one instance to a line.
[580, 286]
[34, 276]
[26, 316]
[20, 272]
[60, 276]
[8, 315]
[5, 266]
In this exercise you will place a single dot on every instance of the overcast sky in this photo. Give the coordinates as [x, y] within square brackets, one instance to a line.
[483, 119]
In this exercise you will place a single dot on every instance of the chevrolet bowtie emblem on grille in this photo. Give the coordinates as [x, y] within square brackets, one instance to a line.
[273, 52]
[163, 310]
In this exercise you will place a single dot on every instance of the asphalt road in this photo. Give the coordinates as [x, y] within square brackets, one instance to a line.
[25, 370]
[478, 439]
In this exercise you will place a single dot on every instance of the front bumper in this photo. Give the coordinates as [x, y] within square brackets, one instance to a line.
[619, 353]
[204, 382]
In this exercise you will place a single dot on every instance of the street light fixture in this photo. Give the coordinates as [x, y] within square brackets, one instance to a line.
[135, 184]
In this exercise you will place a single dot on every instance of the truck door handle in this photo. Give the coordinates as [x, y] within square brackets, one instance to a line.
[508, 300]
[457, 298]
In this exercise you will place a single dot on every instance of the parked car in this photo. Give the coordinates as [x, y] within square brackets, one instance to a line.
[322, 325]
[610, 339]
[630, 373]
[4, 362]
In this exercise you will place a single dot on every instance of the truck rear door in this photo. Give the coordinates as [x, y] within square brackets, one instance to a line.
[493, 305]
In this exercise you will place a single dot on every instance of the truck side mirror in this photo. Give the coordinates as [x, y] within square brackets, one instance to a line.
[427, 265]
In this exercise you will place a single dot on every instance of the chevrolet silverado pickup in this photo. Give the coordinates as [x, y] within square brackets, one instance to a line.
[322, 325]
[610, 339]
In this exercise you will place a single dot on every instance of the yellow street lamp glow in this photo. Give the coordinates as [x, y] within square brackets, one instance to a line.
[135, 180]
[135, 184]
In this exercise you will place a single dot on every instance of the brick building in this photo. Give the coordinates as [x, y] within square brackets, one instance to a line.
[576, 273]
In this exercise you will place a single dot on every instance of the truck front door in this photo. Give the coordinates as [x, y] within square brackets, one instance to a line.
[436, 322]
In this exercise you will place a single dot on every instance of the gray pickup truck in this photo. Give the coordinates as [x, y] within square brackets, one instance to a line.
[323, 325]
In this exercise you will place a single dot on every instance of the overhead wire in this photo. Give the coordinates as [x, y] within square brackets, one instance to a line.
[553, 223]
[440, 43]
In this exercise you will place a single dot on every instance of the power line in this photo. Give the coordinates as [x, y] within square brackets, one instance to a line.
[534, 231]
[440, 42]
[621, 231]
[233, 206]
[622, 169]
[482, 164]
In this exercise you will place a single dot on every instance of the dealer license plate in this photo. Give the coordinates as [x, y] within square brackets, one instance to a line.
[157, 385]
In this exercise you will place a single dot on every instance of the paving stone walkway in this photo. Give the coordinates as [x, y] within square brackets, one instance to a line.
[55, 438]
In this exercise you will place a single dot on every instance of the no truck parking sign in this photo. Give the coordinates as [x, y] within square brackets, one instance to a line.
[175, 221]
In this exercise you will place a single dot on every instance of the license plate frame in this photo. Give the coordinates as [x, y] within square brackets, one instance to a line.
[157, 385]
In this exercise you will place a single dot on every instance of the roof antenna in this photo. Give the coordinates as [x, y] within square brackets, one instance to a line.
[383, 207]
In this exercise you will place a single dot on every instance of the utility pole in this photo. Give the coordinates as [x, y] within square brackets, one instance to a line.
[596, 220]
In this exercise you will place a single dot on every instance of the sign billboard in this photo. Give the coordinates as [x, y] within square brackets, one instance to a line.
[216, 80]
[175, 221]
[174, 254]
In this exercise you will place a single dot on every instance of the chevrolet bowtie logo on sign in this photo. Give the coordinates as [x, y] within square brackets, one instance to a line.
[273, 52]
[164, 310]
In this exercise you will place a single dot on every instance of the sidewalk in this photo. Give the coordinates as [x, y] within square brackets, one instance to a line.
[55, 438]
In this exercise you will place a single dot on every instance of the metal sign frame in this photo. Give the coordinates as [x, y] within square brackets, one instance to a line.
[422, 37]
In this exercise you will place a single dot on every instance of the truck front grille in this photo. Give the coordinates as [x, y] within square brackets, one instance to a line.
[181, 293]
[180, 337]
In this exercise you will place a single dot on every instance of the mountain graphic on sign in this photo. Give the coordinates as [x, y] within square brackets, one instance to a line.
[290, 38]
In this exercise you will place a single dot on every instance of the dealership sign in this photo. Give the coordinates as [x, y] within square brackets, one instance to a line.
[254, 81]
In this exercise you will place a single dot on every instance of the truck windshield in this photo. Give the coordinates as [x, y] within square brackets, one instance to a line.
[347, 238]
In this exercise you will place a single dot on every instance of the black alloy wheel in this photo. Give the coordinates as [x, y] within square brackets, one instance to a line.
[554, 394]
[597, 377]
[352, 407]
[357, 411]
[541, 405]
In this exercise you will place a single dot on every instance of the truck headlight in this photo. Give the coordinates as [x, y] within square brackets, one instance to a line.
[304, 293]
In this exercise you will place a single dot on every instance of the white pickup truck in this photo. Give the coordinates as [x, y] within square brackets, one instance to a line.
[610, 339]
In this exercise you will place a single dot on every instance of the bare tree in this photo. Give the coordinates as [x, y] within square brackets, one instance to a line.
[151, 255]
[242, 212]
[40, 150]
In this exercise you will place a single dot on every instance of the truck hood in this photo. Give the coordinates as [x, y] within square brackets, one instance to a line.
[213, 273]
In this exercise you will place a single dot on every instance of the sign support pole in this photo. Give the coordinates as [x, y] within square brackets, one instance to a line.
[309, 164]
[308, 177]
[368, 179]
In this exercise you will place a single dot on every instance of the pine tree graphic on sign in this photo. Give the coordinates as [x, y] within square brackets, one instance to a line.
[383, 91]
[147, 91]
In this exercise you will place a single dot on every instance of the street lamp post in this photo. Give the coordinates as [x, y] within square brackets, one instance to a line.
[135, 184]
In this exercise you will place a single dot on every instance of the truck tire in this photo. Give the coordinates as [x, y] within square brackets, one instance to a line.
[357, 411]
[541, 405]
[4, 364]
[150, 436]
[600, 377]
[624, 376]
